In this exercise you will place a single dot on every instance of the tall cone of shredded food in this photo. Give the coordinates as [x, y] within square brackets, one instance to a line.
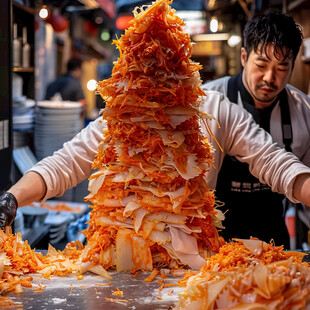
[151, 204]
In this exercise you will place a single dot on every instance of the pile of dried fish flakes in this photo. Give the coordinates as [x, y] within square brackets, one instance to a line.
[18, 261]
[151, 204]
[249, 274]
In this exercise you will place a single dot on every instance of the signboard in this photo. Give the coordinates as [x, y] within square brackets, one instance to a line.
[207, 48]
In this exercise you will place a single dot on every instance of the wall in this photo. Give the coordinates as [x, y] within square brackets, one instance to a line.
[45, 58]
[301, 74]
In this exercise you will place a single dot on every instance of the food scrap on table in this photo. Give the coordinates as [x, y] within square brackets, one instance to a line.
[249, 274]
[117, 292]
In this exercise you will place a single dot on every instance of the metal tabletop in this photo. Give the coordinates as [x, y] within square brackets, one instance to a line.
[94, 292]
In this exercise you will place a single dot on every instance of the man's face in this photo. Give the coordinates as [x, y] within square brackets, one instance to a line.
[265, 75]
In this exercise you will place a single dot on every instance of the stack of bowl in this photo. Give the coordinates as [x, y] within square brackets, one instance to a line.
[55, 123]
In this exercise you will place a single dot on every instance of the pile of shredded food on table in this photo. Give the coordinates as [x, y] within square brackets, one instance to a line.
[18, 261]
[248, 275]
[151, 204]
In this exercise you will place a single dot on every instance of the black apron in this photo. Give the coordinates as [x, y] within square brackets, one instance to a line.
[252, 208]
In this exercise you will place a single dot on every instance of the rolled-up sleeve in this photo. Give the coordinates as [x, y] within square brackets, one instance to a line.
[72, 164]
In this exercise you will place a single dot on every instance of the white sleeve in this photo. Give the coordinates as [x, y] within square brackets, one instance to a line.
[241, 137]
[72, 164]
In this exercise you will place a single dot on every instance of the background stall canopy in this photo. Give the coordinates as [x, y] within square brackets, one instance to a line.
[123, 6]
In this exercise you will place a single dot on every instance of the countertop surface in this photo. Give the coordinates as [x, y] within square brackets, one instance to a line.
[94, 292]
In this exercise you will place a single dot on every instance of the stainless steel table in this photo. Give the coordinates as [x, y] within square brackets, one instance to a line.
[91, 293]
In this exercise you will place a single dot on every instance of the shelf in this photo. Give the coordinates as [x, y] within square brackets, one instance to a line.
[21, 69]
[24, 7]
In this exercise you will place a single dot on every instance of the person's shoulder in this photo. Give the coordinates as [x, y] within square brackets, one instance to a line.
[216, 84]
[214, 98]
[71, 79]
[98, 122]
[213, 93]
[297, 93]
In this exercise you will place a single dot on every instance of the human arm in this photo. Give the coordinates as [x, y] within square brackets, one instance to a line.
[241, 137]
[301, 189]
[53, 175]
[219, 85]
[29, 188]
[71, 164]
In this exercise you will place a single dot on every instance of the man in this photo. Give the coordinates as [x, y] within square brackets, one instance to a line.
[68, 85]
[271, 44]
[72, 164]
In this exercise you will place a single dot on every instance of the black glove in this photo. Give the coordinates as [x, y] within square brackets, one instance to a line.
[8, 207]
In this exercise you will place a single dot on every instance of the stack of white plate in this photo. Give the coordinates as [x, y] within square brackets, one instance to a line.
[23, 122]
[55, 123]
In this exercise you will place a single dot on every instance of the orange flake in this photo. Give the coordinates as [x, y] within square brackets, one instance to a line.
[152, 276]
[106, 284]
[117, 292]
[116, 300]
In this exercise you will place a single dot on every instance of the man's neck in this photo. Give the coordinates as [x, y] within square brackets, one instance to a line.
[262, 104]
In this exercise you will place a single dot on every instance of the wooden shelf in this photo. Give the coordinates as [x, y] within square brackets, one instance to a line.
[24, 7]
[21, 69]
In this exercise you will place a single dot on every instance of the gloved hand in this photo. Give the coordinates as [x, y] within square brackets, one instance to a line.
[8, 208]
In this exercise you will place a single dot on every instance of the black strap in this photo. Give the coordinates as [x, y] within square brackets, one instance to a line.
[232, 89]
[286, 121]
[287, 132]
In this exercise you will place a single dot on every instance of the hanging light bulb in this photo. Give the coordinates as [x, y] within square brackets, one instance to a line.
[44, 12]
[234, 40]
[92, 85]
[214, 24]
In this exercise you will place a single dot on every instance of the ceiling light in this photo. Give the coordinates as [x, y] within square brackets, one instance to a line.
[44, 12]
[214, 24]
[92, 85]
[234, 40]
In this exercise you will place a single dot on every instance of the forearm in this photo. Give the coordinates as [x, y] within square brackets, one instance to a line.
[301, 188]
[71, 164]
[31, 187]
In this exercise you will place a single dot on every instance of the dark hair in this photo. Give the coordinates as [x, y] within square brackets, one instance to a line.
[276, 28]
[73, 64]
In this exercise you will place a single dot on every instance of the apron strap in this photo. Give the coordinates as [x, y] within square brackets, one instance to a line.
[232, 89]
[286, 121]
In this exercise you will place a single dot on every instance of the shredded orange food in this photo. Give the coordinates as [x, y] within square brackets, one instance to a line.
[117, 300]
[248, 274]
[60, 207]
[117, 292]
[152, 276]
[148, 191]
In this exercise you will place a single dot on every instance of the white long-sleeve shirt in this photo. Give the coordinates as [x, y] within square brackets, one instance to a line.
[299, 106]
[238, 136]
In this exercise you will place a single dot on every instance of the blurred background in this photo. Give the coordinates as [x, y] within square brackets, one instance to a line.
[39, 37]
